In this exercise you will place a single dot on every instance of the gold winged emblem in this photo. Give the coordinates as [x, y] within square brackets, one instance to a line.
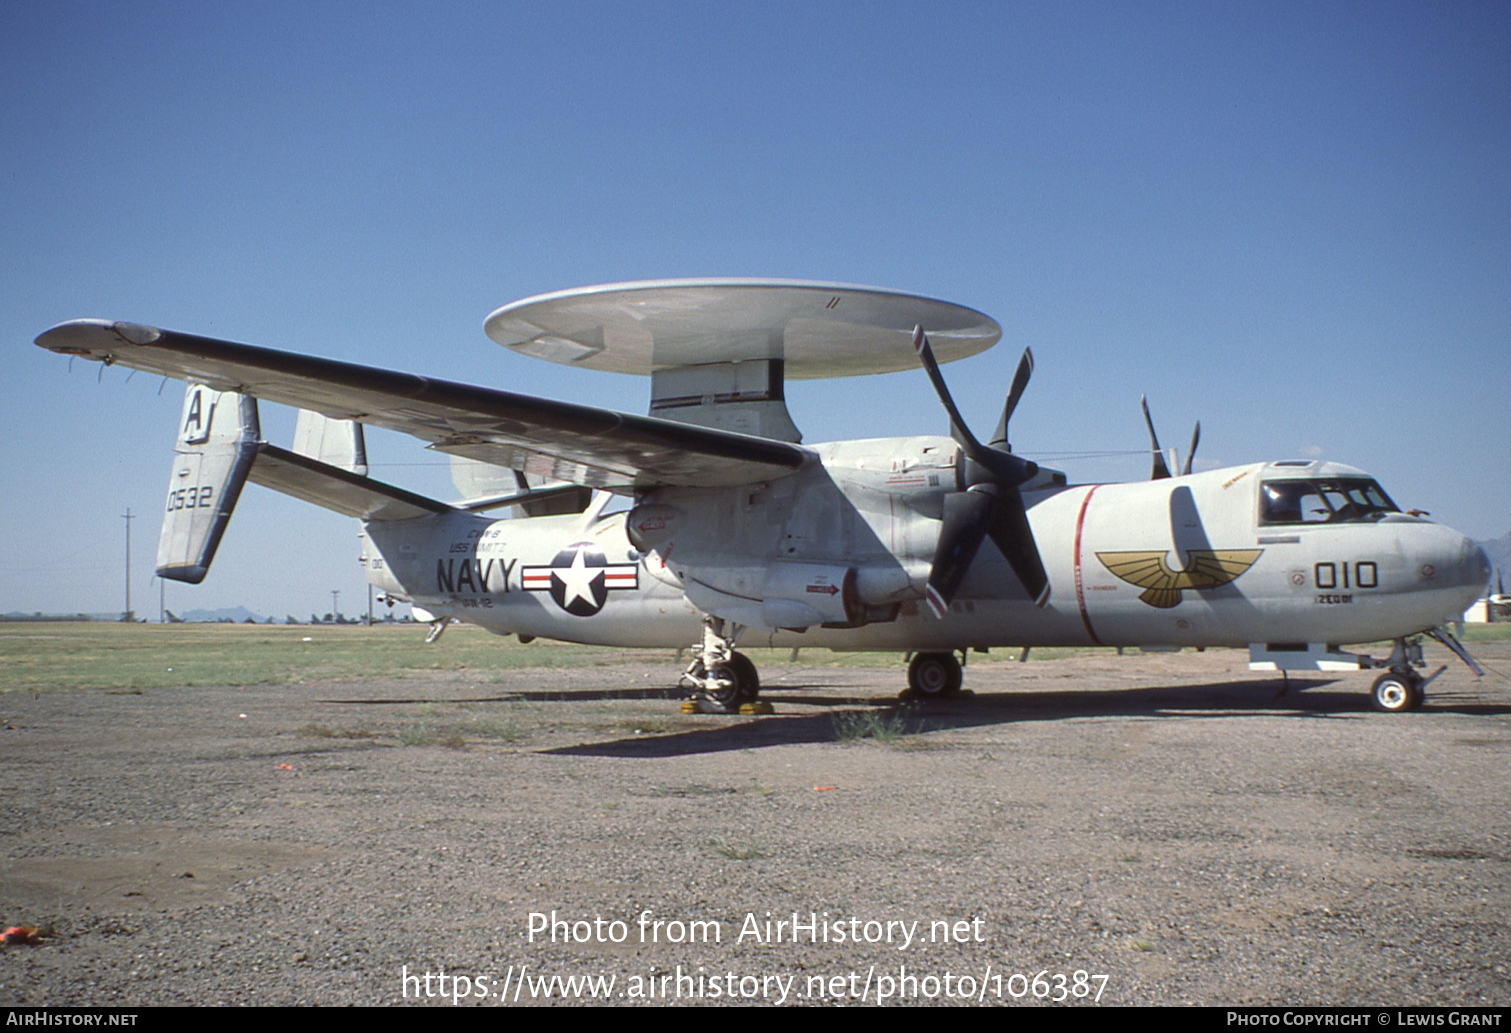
[1209, 568]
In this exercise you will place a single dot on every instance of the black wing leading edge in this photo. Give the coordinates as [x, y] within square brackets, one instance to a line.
[560, 440]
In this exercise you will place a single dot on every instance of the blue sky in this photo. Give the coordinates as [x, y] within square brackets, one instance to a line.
[1291, 221]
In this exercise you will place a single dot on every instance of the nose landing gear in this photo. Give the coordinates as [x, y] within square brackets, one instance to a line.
[1401, 688]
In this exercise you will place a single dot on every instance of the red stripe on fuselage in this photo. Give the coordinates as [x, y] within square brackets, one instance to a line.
[1080, 592]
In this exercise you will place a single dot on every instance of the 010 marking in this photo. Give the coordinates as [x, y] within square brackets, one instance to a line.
[1365, 574]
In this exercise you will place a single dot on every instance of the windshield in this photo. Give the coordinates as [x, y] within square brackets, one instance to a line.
[1338, 500]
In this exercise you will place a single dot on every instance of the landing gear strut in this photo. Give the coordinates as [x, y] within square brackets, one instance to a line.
[717, 673]
[935, 675]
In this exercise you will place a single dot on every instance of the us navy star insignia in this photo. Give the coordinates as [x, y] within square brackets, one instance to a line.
[577, 581]
[580, 578]
[1206, 568]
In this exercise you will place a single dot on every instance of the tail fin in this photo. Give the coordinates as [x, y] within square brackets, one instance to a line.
[476, 479]
[217, 443]
[338, 443]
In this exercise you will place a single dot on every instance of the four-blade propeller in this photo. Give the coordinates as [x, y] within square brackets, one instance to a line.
[991, 504]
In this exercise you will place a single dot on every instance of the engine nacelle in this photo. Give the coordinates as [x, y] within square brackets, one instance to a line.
[796, 590]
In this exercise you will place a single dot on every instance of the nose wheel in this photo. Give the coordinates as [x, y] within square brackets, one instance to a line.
[1396, 692]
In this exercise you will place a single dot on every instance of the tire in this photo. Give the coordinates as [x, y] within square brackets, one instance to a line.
[741, 683]
[746, 677]
[1396, 693]
[935, 675]
[727, 695]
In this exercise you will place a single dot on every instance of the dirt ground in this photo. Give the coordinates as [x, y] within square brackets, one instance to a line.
[1144, 829]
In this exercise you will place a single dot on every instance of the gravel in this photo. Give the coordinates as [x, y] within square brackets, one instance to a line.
[1171, 822]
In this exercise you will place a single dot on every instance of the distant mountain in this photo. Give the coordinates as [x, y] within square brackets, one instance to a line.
[234, 614]
[17, 615]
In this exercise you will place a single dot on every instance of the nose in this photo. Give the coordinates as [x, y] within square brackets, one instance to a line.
[1452, 570]
[1470, 570]
[1477, 565]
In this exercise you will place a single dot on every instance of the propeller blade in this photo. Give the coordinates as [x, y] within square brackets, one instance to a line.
[1161, 470]
[958, 430]
[962, 527]
[1020, 381]
[1013, 537]
[1191, 455]
[992, 503]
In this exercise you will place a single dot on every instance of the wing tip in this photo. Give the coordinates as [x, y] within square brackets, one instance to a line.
[94, 336]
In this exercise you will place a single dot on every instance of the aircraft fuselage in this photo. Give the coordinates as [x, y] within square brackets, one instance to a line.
[842, 549]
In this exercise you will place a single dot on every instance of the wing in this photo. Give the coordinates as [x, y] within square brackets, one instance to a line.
[558, 440]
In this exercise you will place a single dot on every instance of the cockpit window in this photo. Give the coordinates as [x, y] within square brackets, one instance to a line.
[1323, 501]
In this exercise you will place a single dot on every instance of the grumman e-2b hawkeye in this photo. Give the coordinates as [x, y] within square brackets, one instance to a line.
[739, 533]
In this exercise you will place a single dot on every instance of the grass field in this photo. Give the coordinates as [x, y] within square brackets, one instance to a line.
[38, 657]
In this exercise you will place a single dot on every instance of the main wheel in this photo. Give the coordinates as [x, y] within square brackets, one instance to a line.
[1396, 693]
[726, 690]
[935, 675]
[745, 674]
[737, 683]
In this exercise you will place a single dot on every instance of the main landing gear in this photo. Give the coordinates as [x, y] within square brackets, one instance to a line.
[935, 675]
[724, 680]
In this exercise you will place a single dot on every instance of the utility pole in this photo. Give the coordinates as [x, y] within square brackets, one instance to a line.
[128, 617]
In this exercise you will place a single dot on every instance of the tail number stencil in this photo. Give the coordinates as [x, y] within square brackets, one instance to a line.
[190, 498]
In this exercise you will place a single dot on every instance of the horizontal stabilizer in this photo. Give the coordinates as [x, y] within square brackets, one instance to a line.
[333, 488]
[548, 500]
[353, 495]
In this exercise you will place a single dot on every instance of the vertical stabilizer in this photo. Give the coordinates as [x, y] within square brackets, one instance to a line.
[217, 442]
[338, 443]
[474, 479]
[747, 397]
